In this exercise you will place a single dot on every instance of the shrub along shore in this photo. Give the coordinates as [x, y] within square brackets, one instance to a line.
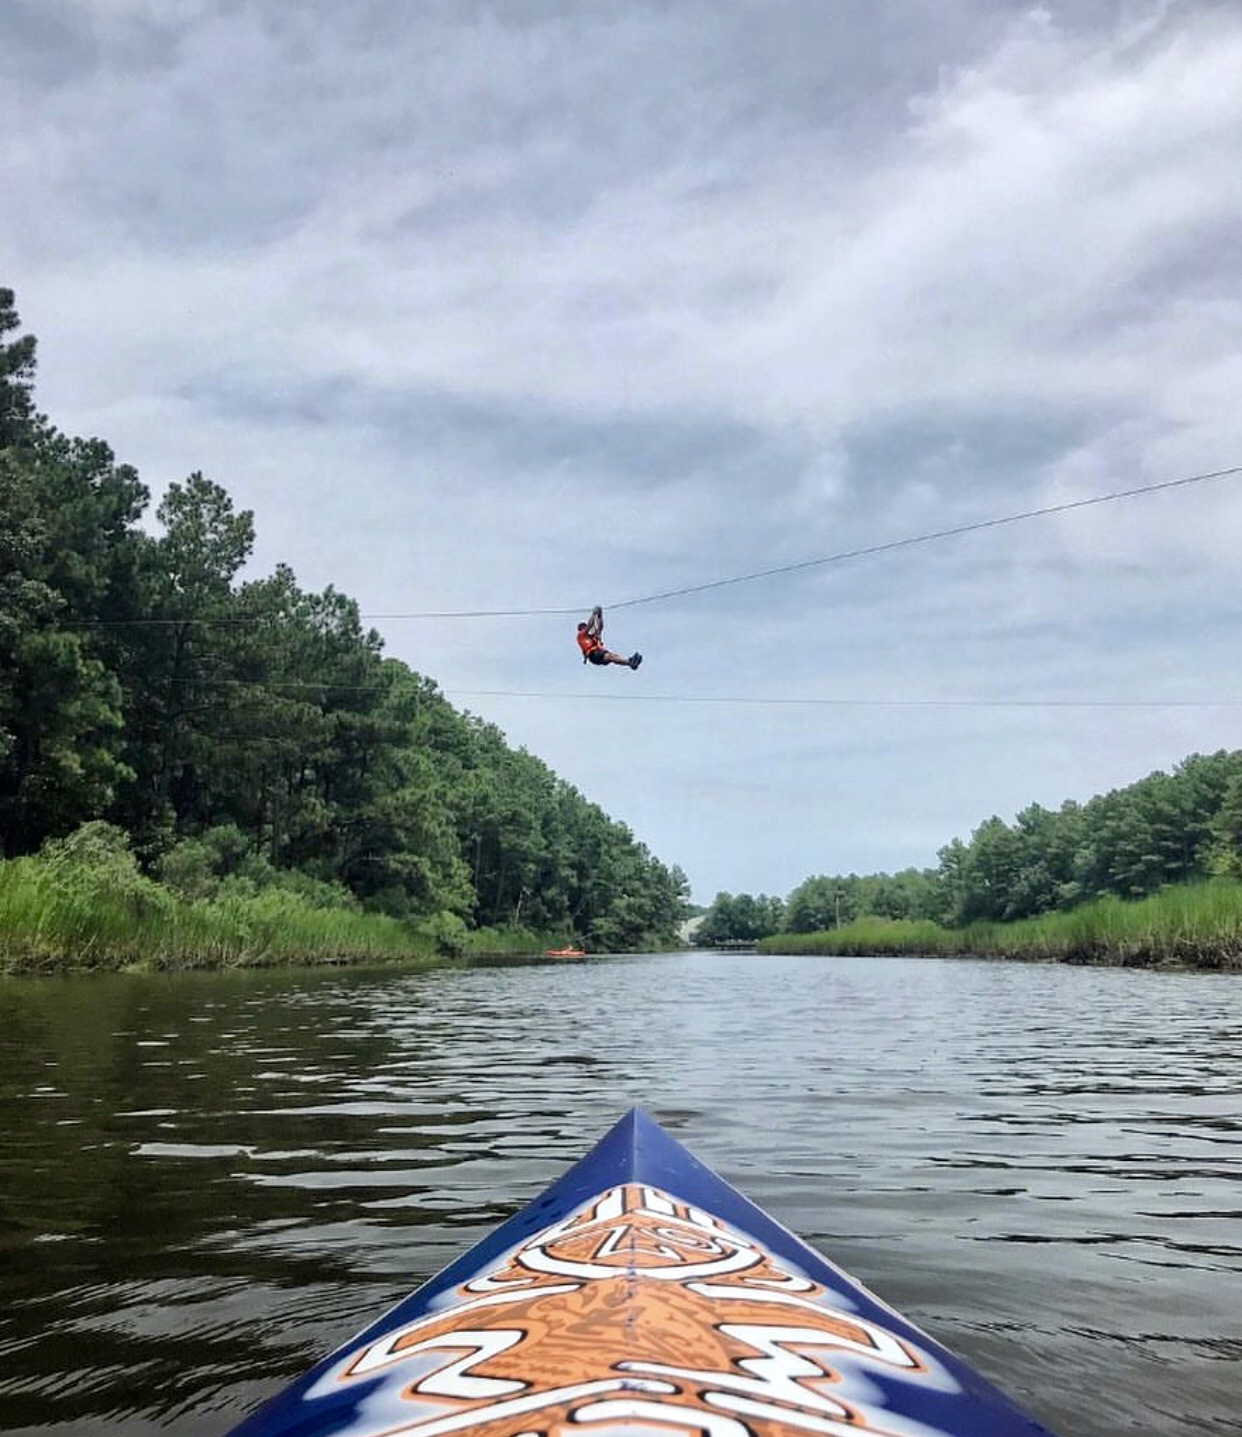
[1187, 926]
[83, 905]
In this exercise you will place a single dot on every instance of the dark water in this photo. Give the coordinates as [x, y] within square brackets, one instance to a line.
[206, 1182]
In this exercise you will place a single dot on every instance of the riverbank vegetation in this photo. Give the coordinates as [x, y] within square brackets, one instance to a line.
[1193, 925]
[1150, 873]
[83, 902]
[266, 764]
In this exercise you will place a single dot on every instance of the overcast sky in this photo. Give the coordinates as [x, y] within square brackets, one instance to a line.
[535, 304]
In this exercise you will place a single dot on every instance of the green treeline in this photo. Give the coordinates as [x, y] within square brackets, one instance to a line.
[246, 737]
[1068, 881]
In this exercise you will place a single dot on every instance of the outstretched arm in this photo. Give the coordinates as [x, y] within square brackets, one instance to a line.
[595, 624]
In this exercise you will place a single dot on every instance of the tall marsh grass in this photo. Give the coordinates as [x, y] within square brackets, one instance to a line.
[1193, 925]
[89, 907]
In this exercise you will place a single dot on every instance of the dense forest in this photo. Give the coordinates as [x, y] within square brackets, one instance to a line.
[238, 731]
[1168, 828]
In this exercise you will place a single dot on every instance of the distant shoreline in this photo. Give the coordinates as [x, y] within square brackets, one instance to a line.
[1150, 962]
[1195, 927]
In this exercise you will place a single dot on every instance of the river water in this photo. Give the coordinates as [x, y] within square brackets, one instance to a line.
[208, 1181]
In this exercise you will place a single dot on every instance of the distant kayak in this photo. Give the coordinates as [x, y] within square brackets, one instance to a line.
[564, 952]
[641, 1296]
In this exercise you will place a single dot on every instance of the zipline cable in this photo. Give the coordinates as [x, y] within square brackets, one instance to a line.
[841, 556]
[906, 543]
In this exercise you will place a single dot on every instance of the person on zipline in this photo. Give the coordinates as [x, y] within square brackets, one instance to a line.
[591, 642]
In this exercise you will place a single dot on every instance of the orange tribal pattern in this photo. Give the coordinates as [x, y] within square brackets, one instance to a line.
[637, 1314]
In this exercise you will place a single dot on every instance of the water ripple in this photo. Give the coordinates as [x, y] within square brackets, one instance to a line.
[211, 1180]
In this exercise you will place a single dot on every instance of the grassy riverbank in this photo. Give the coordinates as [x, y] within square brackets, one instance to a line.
[54, 921]
[1195, 926]
[82, 905]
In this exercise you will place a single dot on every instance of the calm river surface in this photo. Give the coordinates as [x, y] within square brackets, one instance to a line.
[208, 1181]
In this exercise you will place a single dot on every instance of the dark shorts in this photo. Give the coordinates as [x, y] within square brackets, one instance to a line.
[598, 656]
